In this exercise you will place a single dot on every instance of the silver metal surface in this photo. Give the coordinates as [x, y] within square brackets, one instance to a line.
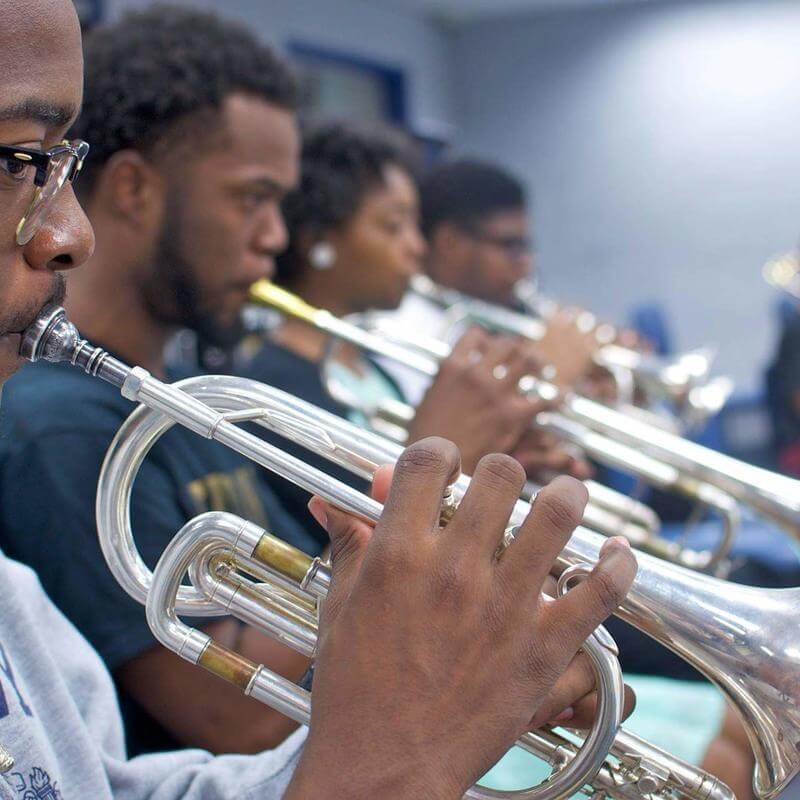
[659, 377]
[6, 760]
[742, 638]
[201, 537]
[636, 522]
[773, 495]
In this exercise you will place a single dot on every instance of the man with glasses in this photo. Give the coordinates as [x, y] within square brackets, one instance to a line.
[474, 218]
[188, 167]
[51, 170]
[60, 729]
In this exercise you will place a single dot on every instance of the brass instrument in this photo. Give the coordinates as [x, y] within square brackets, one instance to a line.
[212, 550]
[743, 639]
[771, 494]
[426, 357]
[682, 379]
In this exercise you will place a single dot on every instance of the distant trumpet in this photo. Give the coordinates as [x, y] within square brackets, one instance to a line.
[683, 378]
[576, 422]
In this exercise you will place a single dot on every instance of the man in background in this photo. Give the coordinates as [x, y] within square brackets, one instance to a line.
[192, 123]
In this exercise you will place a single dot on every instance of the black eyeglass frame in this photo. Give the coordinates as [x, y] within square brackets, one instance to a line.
[515, 246]
[42, 162]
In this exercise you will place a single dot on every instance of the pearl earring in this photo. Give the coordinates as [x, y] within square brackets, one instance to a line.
[322, 256]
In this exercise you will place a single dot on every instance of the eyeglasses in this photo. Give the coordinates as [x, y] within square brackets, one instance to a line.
[51, 170]
[517, 247]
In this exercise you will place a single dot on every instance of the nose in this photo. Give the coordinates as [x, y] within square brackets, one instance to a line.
[523, 264]
[66, 238]
[271, 235]
[417, 245]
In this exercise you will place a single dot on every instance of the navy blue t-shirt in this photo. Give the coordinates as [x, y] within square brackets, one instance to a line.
[56, 424]
[278, 366]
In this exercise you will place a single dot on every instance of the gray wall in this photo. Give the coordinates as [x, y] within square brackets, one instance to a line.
[662, 143]
[659, 140]
[405, 39]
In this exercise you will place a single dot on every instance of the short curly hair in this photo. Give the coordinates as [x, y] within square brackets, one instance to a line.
[341, 162]
[155, 71]
[465, 192]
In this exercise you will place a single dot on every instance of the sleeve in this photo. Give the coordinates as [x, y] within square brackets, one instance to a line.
[196, 775]
[77, 722]
[49, 488]
[789, 358]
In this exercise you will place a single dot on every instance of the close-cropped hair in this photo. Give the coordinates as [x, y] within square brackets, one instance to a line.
[149, 78]
[465, 192]
[341, 163]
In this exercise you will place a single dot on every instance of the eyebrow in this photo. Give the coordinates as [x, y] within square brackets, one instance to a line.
[50, 114]
[268, 184]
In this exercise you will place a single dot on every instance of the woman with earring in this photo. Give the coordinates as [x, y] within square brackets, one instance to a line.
[354, 243]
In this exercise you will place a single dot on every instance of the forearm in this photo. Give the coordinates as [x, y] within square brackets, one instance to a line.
[220, 719]
[197, 775]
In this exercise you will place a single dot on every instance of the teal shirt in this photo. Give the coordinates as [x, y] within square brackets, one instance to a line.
[681, 717]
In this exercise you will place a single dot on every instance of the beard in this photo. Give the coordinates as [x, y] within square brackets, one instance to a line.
[174, 296]
[20, 319]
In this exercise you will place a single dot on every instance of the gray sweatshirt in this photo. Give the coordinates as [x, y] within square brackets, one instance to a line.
[60, 723]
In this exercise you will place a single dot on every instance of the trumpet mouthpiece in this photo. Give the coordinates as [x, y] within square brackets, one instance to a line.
[51, 336]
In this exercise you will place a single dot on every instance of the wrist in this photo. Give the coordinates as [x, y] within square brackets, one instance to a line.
[392, 778]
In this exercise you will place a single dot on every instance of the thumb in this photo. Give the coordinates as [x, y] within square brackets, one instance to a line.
[349, 539]
[381, 481]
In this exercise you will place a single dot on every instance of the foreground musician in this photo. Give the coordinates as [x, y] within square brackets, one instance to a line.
[60, 728]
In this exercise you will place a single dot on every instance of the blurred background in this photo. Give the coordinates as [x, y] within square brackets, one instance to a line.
[659, 140]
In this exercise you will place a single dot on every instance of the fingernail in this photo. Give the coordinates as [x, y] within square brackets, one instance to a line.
[567, 713]
[317, 508]
[613, 543]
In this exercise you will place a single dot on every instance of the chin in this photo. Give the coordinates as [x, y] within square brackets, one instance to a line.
[388, 302]
[10, 359]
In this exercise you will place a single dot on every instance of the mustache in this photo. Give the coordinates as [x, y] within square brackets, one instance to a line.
[23, 318]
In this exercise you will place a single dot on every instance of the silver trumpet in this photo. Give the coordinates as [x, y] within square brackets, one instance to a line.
[682, 379]
[219, 559]
[620, 516]
[213, 410]
[741, 638]
[771, 494]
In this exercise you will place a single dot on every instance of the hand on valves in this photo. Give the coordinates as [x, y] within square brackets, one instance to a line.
[434, 655]
[475, 402]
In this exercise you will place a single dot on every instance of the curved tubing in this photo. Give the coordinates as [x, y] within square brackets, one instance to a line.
[217, 530]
